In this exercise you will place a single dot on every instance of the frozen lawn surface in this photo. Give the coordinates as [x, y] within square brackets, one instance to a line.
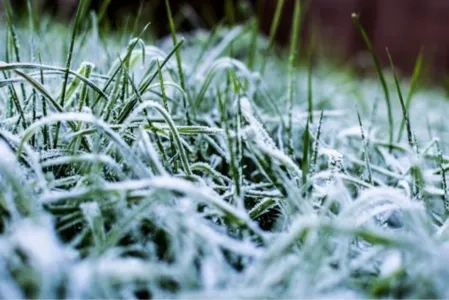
[138, 174]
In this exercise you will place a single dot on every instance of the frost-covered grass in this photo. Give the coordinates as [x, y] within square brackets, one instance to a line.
[139, 173]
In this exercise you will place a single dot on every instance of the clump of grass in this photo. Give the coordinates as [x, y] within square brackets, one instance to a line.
[169, 178]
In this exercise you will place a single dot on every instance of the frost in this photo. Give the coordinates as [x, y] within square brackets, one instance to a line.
[391, 264]
[143, 203]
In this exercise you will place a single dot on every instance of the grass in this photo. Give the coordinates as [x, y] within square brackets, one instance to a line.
[137, 168]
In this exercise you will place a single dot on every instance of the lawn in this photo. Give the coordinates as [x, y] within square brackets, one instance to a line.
[212, 165]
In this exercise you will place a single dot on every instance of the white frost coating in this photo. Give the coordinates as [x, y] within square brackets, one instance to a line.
[81, 279]
[241, 247]
[193, 191]
[208, 273]
[90, 210]
[129, 269]
[44, 252]
[259, 131]
[391, 264]
[215, 52]
[378, 196]
[331, 240]
[86, 110]
[85, 157]
[330, 152]
[6, 155]
[353, 131]
[335, 158]
[42, 246]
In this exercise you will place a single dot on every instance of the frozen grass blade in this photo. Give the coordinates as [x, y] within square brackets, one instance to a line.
[117, 69]
[112, 237]
[306, 153]
[223, 103]
[161, 81]
[144, 86]
[70, 118]
[174, 131]
[365, 150]
[291, 63]
[369, 46]
[239, 143]
[158, 168]
[310, 85]
[129, 107]
[404, 108]
[32, 66]
[92, 214]
[24, 206]
[83, 93]
[443, 178]
[82, 6]
[15, 99]
[41, 89]
[14, 38]
[175, 42]
[316, 145]
[417, 70]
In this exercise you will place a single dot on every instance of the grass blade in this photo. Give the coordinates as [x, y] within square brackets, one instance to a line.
[369, 46]
[417, 70]
[305, 154]
[177, 52]
[82, 6]
[291, 77]
[401, 99]
[365, 150]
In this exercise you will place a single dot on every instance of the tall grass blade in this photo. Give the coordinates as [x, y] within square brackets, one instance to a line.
[417, 70]
[78, 18]
[175, 42]
[306, 153]
[365, 150]
[291, 77]
[369, 46]
[401, 99]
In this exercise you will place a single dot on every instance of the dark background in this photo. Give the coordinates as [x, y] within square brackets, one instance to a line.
[404, 26]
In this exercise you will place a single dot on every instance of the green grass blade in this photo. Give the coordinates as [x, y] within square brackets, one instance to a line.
[306, 153]
[310, 83]
[291, 77]
[14, 38]
[175, 42]
[316, 145]
[417, 71]
[443, 178]
[369, 46]
[78, 18]
[401, 99]
[103, 10]
[365, 150]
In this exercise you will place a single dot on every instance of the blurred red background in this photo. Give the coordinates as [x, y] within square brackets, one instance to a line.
[404, 26]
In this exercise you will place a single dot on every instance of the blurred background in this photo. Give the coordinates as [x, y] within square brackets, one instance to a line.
[404, 26]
